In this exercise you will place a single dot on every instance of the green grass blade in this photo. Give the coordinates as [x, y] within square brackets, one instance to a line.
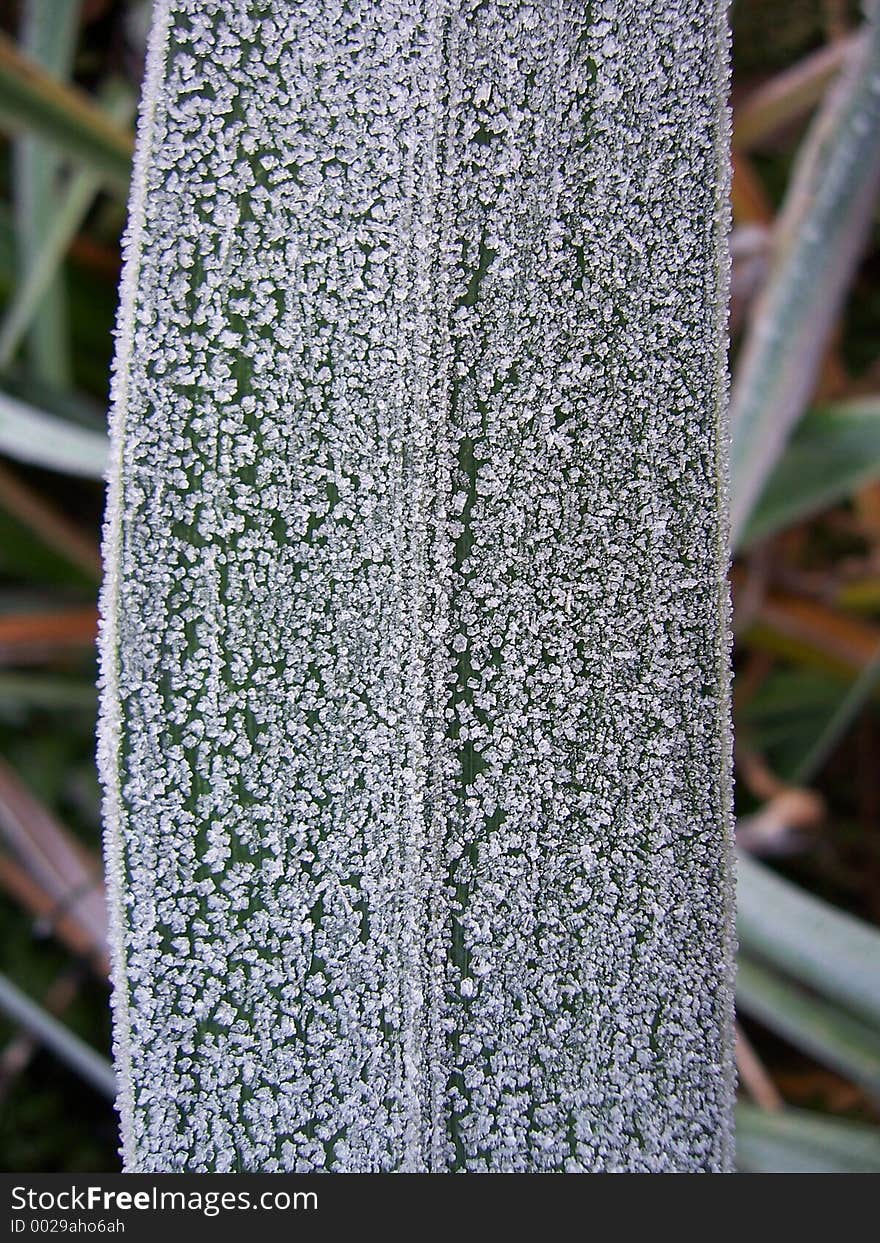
[68, 1047]
[75, 200]
[832, 952]
[29, 690]
[33, 100]
[789, 714]
[795, 1141]
[824, 1031]
[92, 299]
[42, 268]
[788, 95]
[833, 451]
[42, 439]
[49, 34]
[839, 722]
[824, 224]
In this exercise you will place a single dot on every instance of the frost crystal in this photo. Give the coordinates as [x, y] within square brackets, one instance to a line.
[414, 728]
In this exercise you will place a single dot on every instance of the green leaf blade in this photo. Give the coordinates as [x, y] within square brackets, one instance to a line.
[819, 238]
[834, 451]
[827, 949]
[794, 1141]
[45, 440]
[825, 1031]
[33, 100]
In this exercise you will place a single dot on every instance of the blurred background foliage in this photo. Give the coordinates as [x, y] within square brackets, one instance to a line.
[805, 318]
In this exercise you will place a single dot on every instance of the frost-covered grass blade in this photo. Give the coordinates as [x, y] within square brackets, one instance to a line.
[819, 238]
[415, 659]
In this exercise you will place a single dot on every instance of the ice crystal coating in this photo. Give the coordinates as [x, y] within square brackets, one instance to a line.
[415, 723]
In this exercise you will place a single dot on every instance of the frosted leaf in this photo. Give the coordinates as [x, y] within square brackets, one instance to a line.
[415, 724]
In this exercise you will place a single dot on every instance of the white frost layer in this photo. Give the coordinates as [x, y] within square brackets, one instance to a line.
[414, 723]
